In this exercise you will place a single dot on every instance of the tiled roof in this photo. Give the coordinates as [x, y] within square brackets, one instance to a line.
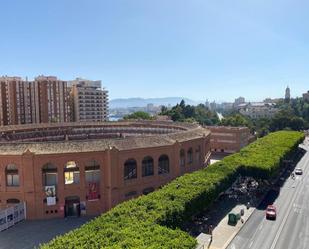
[190, 132]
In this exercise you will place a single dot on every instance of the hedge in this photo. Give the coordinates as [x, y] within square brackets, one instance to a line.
[153, 221]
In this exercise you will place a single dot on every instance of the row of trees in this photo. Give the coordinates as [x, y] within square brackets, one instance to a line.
[293, 115]
[188, 113]
[154, 220]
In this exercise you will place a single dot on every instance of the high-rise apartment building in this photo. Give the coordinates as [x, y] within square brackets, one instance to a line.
[50, 100]
[44, 100]
[89, 100]
[15, 100]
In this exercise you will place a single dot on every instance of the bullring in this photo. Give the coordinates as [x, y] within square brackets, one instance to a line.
[73, 169]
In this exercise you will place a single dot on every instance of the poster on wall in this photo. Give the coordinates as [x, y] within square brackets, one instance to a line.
[93, 193]
[50, 192]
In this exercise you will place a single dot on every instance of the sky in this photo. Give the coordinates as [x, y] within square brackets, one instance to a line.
[200, 49]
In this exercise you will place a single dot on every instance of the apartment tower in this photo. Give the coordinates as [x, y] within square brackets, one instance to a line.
[44, 100]
[89, 101]
[50, 100]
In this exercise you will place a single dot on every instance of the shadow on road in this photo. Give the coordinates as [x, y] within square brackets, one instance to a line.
[212, 216]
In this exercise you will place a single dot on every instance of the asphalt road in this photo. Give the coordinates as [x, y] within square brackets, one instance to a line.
[291, 228]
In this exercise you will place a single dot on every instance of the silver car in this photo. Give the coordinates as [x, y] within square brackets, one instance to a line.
[298, 171]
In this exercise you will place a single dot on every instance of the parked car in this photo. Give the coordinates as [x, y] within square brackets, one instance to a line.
[298, 171]
[271, 212]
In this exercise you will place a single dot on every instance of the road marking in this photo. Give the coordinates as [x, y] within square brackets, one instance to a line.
[260, 227]
[251, 244]
[286, 216]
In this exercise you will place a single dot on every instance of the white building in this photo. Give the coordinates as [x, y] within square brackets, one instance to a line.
[239, 101]
[258, 110]
[89, 100]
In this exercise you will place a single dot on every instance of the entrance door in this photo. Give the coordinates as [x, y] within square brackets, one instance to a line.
[72, 206]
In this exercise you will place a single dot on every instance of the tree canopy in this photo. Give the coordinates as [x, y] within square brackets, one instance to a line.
[189, 113]
[138, 115]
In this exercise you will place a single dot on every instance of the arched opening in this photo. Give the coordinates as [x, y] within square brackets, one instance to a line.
[71, 173]
[164, 165]
[130, 169]
[12, 176]
[182, 155]
[92, 171]
[190, 156]
[93, 176]
[147, 166]
[49, 175]
[198, 155]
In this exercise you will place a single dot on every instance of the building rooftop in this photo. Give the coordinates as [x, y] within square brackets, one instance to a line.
[179, 133]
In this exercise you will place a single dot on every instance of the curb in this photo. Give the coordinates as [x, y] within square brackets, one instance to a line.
[235, 233]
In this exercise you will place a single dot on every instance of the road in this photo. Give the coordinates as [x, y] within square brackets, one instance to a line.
[291, 228]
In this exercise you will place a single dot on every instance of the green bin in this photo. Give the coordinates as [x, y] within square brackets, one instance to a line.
[232, 219]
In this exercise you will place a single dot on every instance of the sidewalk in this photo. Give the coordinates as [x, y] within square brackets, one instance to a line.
[224, 233]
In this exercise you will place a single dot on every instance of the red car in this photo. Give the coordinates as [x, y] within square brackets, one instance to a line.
[271, 212]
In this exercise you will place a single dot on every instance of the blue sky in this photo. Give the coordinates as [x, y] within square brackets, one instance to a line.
[198, 49]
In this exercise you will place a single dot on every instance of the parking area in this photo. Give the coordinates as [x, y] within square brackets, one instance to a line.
[30, 234]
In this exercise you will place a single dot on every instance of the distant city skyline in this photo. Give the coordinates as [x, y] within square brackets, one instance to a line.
[195, 49]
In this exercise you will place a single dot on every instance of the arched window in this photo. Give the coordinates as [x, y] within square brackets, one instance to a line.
[198, 155]
[49, 175]
[182, 158]
[71, 173]
[147, 166]
[92, 171]
[130, 169]
[190, 156]
[12, 201]
[12, 176]
[164, 165]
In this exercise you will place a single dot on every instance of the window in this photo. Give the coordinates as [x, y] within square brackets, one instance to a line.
[49, 175]
[71, 173]
[147, 166]
[182, 158]
[12, 176]
[198, 155]
[92, 171]
[190, 156]
[130, 169]
[164, 165]
[12, 201]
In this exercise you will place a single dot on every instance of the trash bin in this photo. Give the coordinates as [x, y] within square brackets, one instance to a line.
[232, 219]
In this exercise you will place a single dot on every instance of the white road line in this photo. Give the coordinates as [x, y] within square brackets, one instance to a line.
[286, 216]
[251, 244]
[260, 227]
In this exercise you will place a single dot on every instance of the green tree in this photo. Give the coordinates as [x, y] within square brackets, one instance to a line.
[138, 115]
